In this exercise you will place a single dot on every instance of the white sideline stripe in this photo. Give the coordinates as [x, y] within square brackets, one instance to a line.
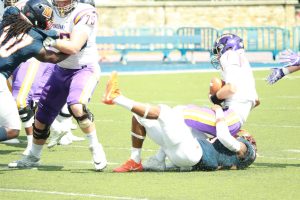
[67, 194]
[177, 71]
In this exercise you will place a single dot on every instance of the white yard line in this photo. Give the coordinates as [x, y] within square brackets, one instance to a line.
[293, 150]
[68, 194]
[273, 126]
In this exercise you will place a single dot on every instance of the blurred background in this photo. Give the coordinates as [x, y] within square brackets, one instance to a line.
[186, 30]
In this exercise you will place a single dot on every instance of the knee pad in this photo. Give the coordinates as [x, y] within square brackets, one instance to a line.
[86, 119]
[41, 134]
[26, 114]
[64, 114]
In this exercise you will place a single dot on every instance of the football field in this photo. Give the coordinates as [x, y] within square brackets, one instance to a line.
[67, 172]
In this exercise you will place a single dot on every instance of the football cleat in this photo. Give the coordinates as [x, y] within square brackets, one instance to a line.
[55, 137]
[28, 161]
[99, 157]
[153, 164]
[112, 90]
[129, 166]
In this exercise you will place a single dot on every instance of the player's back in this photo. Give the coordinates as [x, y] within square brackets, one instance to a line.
[217, 156]
[83, 17]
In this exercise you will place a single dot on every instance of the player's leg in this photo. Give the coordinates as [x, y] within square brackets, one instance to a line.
[81, 89]
[48, 108]
[23, 79]
[138, 134]
[10, 124]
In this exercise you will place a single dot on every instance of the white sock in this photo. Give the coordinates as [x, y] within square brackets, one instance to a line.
[92, 138]
[29, 140]
[124, 102]
[36, 150]
[136, 154]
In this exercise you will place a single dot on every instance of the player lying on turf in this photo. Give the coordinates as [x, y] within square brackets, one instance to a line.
[290, 63]
[167, 128]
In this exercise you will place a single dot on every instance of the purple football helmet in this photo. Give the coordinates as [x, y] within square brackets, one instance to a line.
[222, 44]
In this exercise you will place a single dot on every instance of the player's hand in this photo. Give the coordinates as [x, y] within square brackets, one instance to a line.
[13, 44]
[275, 75]
[289, 58]
[49, 42]
[216, 107]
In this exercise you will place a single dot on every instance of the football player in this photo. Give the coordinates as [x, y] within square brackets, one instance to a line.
[239, 92]
[74, 79]
[290, 63]
[166, 127]
[15, 24]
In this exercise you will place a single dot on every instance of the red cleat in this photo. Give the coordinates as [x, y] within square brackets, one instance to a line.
[129, 166]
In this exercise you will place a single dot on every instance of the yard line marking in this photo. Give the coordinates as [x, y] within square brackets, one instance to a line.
[110, 147]
[293, 150]
[277, 158]
[89, 162]
[69, 194]
[274, 126]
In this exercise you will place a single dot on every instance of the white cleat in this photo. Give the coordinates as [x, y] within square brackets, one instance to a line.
[55, 138]
[28, 161]
[11, 141]
[99, 157]
[73, 126]
[65, 140]
[76, 138]
[152, 164]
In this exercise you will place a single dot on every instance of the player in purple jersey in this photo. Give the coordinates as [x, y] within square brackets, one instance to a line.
[290, 63]
[177, 141]
[74, 79]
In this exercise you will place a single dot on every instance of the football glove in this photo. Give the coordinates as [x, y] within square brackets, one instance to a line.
[289, 58]
[49, 42]
[275, 75]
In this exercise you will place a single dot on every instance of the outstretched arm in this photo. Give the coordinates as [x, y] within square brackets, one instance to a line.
[290, 62]
[224, 135]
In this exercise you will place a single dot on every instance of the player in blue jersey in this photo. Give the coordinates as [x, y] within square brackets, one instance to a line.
[290, 63]
[167, 128]
[24, 25]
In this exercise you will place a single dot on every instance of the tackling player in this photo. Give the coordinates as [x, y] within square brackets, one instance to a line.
[166, 127]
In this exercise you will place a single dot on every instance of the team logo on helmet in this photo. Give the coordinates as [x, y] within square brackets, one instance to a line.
[47, 12]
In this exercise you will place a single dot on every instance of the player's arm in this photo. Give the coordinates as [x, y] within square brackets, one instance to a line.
[224, 135]
[290, 62]
[14, 44]
[224, 93]
[50, 56]
[79, 35]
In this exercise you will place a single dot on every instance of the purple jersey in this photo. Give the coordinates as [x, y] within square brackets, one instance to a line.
[203, 119]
